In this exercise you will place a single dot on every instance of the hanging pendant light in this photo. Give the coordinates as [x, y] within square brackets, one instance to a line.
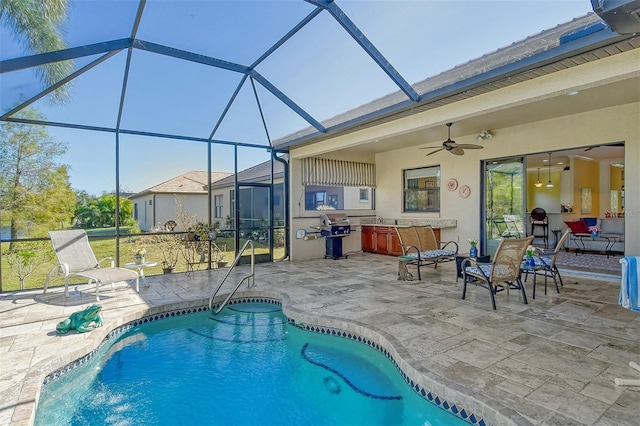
[538, 183]
[549, 184]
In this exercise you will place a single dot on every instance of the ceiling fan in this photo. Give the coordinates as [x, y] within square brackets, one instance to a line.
[452, 146]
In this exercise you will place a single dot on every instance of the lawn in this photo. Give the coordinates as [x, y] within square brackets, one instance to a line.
[105, 247]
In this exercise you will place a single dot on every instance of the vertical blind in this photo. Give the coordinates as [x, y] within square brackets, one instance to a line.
[325, 172]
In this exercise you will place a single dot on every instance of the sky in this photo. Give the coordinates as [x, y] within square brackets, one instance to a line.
[320, 68]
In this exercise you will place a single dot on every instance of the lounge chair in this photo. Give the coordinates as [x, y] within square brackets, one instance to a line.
[503, 273]
[515, 228]
[545, 265]
[76, 257]
[420, 244]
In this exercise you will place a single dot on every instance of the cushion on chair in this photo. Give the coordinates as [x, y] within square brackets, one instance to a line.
[475, 270]
[432, 254]
[542, 261]
[578, 227]
[498, 271]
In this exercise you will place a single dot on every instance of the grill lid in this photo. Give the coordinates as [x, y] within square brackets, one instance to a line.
[334, 219]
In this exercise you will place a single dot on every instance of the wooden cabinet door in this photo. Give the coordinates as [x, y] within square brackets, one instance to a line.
[382, 244]
[394, 243]
[368, 239]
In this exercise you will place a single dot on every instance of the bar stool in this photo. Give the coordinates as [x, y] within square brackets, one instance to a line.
[539, 219]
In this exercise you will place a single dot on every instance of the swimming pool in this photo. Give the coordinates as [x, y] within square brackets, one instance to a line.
[248, 365]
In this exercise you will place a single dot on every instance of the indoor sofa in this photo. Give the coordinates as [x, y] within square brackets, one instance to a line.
[610, 238]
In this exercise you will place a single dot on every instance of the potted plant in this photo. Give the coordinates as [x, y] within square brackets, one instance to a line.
[139, 250]
[169, 245]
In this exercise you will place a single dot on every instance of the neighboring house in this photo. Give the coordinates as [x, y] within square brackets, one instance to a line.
[253, 184]
[158, 205]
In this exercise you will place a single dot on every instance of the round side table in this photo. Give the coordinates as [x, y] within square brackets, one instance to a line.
[140, 267]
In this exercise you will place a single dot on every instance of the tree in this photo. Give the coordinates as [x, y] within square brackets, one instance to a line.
[35, 194]
[24, 260]
[94, 212]
[36, 25]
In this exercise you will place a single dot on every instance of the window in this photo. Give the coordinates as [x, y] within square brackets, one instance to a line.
[217, 202]
[313, 200]
[337, 198]
[422, 190]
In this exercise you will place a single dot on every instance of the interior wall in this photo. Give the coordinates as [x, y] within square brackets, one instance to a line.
[586, 175]
[616, 182]
[546, 198]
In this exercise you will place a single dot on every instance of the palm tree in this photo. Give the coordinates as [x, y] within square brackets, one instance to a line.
[36, 25]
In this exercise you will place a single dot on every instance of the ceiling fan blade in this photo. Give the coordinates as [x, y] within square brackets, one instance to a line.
[590, 148]
[437, 150]
[469, 146]
[431, 147]
[457, 150]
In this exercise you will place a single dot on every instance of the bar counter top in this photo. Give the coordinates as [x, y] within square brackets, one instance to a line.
[434, 222]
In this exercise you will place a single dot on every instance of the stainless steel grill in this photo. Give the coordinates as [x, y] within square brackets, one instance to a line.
[335, 226]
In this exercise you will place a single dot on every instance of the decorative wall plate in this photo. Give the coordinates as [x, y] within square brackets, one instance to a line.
[452, 184]
[464, 191]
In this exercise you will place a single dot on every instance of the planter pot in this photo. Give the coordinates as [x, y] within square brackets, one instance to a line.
[139, 259]
[168, 270]
[221, 264]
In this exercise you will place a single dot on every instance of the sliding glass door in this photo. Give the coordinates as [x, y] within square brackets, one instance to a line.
[504, 197]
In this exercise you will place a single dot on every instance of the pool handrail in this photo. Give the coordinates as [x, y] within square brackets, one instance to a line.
[250, 278]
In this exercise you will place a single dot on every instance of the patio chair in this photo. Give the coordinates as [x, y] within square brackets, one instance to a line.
[76, 257]
[545, 265]
[514, 226]
[420, 244]
[503, 273]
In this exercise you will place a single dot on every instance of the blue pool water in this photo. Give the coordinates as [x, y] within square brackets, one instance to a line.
[245, 366]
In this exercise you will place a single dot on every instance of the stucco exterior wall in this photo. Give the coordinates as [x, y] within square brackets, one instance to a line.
[157, 209]
[307, 220]
[573, 131]
[618, 123]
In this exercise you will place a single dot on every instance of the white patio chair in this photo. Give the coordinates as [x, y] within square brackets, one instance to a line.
[76, 257]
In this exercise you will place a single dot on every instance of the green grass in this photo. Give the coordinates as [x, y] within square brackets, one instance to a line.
[103, 248]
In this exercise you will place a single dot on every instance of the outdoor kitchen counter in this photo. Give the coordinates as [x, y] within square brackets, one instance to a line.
[435, 223]
[382, 238]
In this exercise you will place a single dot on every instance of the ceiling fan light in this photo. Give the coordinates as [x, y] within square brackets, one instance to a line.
[549, 184]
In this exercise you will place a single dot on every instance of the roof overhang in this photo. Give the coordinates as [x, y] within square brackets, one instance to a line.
[623, 16]
[581, 43]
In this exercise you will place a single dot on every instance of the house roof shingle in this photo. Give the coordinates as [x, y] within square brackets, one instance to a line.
[500, 69]
[257, 173]
[193, 182]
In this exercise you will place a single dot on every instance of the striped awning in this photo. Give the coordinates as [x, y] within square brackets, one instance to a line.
[325, 172]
